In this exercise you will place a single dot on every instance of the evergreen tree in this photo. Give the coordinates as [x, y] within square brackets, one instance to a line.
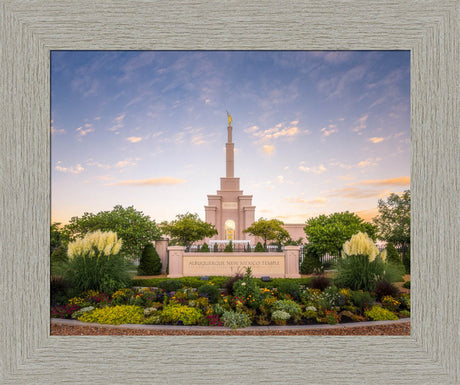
[248, 248]
[311, 261]
[229, 248]
[215, 248]
[205, 248]
[150, 262]
[393, 255]
[259, 248]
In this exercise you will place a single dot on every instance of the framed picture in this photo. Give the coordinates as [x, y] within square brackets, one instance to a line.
[30, 30]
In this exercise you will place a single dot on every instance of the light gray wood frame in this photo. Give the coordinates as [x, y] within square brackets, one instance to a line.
[30, 29]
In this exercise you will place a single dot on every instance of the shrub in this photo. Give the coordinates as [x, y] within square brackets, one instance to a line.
[332, 297]
[404, 298]
[404, 313]
[60, 289]
[171, 285]
[332, 318]
[378, 313]
[362, 299]
[228, 285]
[288, 306]
[390, 303]
[235, 320]
[320, 282]
[205, 248]
[209, 291]
[406, 261]
[82, 311]
[311, 261]
[406, 285]
[229, 248]
[215, 248]
[64, 311]
[384, 288]
[121, 296]
[289, 287]
[115, 315]
[247, 248]
[247, 289]
[259, 248]
[280, 317]
[393, 255]
[357, 272]
[179, 314]
[95, 263]
[150, 262]
[360, 244]
[58, 260]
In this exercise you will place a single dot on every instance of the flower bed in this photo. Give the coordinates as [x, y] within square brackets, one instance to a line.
[244, 304]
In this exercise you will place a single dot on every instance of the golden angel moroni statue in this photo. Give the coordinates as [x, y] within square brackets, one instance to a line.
[229, 119]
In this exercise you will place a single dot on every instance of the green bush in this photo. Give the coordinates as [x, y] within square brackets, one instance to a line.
[205, 248]
[289, 287]
[280, 317]
[229, 283]
[104, 273]
[311, 262]
[259, 248]
[248, 289]
[378, 313]
[115, 315]
[175, 314]
[331, 297]
[404, 313]
[235, 320]
[406, 261]
[362, 299]
[215, 248]
[356, 272]
[393, 255]
[406, 285]
[171, 285]
[95, 263]
[292, 308]
[229, 248]
[59, 259]
[209, 291]
[150, 262]
[247, 248]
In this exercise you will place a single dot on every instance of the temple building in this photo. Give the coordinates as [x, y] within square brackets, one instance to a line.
[229, 210]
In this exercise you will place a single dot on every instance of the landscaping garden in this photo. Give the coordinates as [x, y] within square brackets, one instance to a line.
[98, 289]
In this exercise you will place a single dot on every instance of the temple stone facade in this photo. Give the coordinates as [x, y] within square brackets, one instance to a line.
[229, 210]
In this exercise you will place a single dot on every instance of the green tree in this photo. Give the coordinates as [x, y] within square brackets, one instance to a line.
[150, 262]
[132, 226]
[393, 221]
[188, 228]
[57, 237]
[393, 255]
[205, 248]
[328, 233]
[229, 248]
[268, 230]
[259, 248]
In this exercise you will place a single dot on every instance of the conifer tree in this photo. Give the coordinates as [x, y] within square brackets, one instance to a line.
[150, 262]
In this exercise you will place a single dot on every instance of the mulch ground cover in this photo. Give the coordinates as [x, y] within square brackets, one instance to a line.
[397, 329]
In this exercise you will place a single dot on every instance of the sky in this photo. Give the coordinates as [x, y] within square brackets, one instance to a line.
[315, 132]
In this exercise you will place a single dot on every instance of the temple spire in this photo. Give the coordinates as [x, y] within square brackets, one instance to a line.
[229, 149]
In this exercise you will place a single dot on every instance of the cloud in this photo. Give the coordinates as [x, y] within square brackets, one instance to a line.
[134, 139]
[360, 124]
[376, 139]
[317, 170]
[327, 131]
[399, 181]
[73, 170]
[300, 199]
[355, 193]
[268, 149]
[368, 162]
[368, 215]
[82, 131]
[125, 163]
[57, 131]
[118, 122]
[278, 131]
[166, 180]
